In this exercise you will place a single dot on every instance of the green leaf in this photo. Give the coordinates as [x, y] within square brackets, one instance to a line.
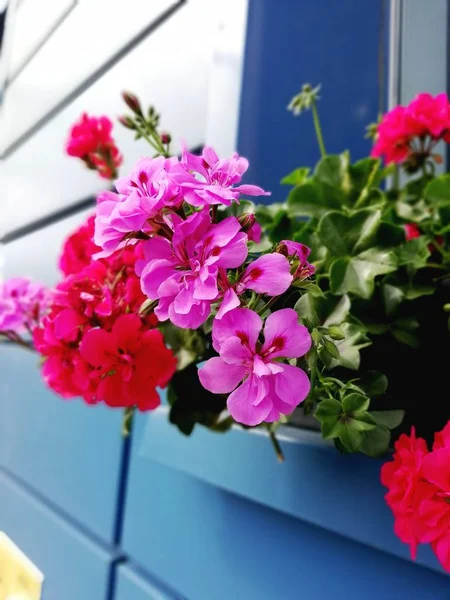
[388, 418]
[325, 309]
[354, 403]
[360, 173]
[417, 291]
[414, 253]
[438, 190]
[373, 383]
[375, 442]
[405, 337]
[191, 403]
[413, 212]
[339, 313]
[393, 296]
[313, 199]
[362, 422]
[330, 427]
[350, 437]
[333, 170]
[280, 228]
[389, 235]
[407, 323]
[296, 177]
[328, 408]
[357, 274]
[308, 286]
[350, 347]
[346, 235]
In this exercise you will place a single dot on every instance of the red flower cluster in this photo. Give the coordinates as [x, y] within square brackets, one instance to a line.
[419, 492]
[90, 139]
[79, 248]
[94, 343]
[408, 134]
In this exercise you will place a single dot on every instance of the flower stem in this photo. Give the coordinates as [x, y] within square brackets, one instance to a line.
[153, 140]
[127, 421]
[17, 339]
[318, 128]
[366, 189]
[396, 178]
[275, 444]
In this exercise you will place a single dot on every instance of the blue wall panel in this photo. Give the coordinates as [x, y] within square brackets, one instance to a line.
[291, 42]
[186, 529]
[132, 585]
[73, 566]
[66, 450]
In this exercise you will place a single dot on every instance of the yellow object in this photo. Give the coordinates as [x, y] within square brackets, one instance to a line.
[20, 579]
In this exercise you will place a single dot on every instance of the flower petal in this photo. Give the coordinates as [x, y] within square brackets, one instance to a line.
[291, 387]
[284, 336]
[97, 347]
[219, 377]
[234, 351]
[268, 274]
[230, 301]
[241, 402]
[239, 322]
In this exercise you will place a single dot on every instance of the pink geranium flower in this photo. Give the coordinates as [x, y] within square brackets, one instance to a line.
[264, 388]
[207, 179]
[182, 274]
[269, 274]
[142, 195]
[23, 305]
[298, 254]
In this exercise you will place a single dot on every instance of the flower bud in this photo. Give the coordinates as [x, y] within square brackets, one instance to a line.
[336, 333]
[126, 121]
[132, 101]
[247, 221]
[166, 138]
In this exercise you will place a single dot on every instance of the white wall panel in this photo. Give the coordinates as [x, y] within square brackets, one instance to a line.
[189, 68]
[92, 32]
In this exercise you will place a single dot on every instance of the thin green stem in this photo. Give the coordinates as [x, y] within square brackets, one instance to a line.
[127, 421]
[17, 339]
[318, 128]
[365, 191]
[396, 177]
[153, 140]
[268, 305]
[275, 444]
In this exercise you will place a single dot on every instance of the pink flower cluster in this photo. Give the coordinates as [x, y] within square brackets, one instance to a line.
[93, 340]
[90, 139]
[409, 133]
[262, 388]
[419, 492]
[23, 305]
[195, 266]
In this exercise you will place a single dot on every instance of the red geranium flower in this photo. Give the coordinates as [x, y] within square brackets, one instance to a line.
[90, 139]
[130, 363]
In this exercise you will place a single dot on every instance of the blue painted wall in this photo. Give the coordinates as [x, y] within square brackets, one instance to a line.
[291, 42]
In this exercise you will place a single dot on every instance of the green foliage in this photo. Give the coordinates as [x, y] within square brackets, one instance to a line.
[370, 279]
[190, 403]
